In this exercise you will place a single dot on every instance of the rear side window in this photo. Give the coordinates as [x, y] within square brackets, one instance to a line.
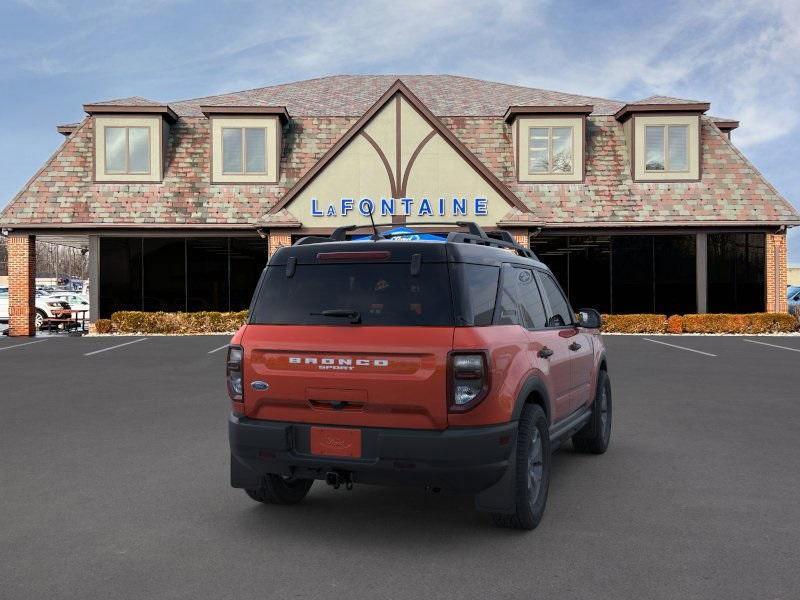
[476, 291]
[381, 293]
[560, 312]
[520, 300]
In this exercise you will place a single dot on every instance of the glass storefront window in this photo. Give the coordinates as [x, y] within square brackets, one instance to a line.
[736, 272]
[164, 274]
[207, 274]
[120, 274]
[179, 274]
[623, 274]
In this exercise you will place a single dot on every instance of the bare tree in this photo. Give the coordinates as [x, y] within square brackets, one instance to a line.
[52, 260]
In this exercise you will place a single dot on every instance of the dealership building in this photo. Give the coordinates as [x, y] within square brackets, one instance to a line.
[641, 206]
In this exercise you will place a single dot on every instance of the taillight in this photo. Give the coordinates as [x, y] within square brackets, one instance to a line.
[234, 373]
[468, 380]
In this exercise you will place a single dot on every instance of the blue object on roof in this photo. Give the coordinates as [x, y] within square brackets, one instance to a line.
[405, 234]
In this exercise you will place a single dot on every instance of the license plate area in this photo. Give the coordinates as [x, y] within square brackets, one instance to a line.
[334, 441]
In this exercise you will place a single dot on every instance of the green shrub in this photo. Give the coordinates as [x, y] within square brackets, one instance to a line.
[163, 322]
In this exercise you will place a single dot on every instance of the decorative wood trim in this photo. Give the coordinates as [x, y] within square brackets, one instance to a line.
[399, 87]
[279, 111]
[515, 111]
[384, 160]
[412, 158]
[630, 109]
[131, 109]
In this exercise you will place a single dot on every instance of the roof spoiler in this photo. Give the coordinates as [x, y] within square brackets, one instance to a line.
[474, 235]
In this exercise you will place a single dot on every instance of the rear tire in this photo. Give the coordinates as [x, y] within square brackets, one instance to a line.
[274, 489]
[596, 434]
[532, 479]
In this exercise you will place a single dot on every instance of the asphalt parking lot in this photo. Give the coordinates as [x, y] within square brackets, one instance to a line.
[113, 484]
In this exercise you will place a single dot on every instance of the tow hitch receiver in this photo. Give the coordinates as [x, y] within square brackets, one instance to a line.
[339, 478]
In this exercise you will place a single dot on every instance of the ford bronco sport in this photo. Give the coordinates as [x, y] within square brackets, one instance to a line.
[455, 365]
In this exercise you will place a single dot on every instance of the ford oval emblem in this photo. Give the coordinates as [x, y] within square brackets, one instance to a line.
[262, 386]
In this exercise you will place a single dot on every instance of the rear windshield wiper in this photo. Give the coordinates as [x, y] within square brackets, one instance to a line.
[341, 313]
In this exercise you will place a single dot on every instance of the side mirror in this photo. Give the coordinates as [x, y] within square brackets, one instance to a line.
[590, 318]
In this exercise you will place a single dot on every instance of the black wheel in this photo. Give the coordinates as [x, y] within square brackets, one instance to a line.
[39, 319]
[595, 435]
[275, 489]
[533, 471]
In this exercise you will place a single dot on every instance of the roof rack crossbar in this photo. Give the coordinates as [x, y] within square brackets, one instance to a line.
[459, 237]
[474, 235]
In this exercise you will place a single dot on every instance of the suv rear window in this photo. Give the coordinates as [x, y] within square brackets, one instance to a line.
[381, 293]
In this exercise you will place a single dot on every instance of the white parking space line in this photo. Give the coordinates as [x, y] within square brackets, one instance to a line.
[20, 345]
[772, 345]
[680, 347]
[218, 349]
[114, 347]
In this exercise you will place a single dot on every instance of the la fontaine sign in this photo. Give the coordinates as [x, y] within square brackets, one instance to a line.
[409, 207]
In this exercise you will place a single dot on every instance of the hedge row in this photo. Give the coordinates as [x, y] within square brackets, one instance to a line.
[220, 322]
[707, 323]
[163, 322]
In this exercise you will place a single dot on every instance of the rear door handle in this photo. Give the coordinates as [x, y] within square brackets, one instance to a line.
[545, 352]
[574, 346]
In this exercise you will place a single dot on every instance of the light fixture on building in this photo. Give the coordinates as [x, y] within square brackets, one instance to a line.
[261, 233]
[5, 231]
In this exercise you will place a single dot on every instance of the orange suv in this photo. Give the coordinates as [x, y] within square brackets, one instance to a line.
[453, 364]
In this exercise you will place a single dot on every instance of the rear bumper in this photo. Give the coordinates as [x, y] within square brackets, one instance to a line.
[462, 460]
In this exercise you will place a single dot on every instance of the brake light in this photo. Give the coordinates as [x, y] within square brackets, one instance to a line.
[234, 373]
[354, 256]
[468, 379]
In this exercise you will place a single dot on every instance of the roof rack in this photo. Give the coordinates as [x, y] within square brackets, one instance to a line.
[474, 235]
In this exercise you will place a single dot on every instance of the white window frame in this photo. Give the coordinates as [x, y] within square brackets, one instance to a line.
[665, 148]
[243, 129]
[158, 132]
[521, 138]
[127, 170]
[635, 133]
[550, 129]
[272, 127]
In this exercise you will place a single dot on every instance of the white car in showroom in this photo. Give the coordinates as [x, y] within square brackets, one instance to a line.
[76, 301]
[47, 307]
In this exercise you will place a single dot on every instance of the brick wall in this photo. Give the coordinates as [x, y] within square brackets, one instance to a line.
[278, 238]
[776, 273]
[521, 237]
[21, 284]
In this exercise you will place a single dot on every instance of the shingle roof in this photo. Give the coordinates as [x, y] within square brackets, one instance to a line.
[130, 101]
[665, 100]
[63, 193]
[352, 95]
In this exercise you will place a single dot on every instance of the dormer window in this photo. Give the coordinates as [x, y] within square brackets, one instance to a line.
[130, 140]
[663, 138]
[666, 148]
[245, 143]
[550, 150]
[127, 150]
[548, 142]
[244, 150]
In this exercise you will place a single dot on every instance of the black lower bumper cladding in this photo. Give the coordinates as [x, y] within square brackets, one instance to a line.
[458, 459]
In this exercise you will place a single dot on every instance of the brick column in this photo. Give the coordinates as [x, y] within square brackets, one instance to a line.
[278, 238]
[21, 284]
[521, 237]
[776, 270]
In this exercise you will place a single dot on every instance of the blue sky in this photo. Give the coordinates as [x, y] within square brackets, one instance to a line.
[56, 55]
